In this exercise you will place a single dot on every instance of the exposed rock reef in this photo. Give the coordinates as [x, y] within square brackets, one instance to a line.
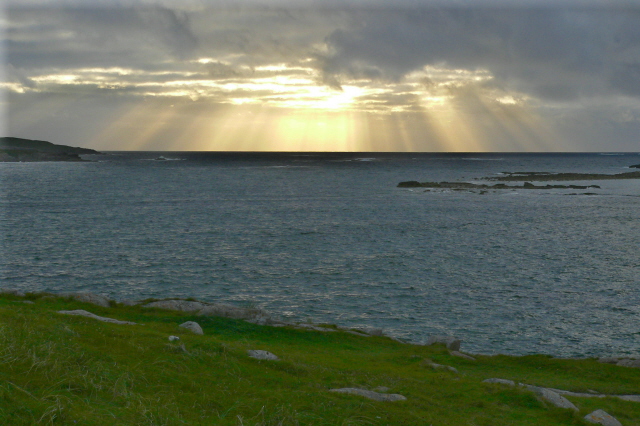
[469, 185]
[545, 176]
[27, 150]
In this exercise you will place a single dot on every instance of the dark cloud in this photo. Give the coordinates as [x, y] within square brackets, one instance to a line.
[551, 52]
[81, 37]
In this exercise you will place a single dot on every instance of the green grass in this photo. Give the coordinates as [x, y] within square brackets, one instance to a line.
[69, 370]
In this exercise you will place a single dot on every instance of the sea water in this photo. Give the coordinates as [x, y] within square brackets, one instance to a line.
[331, 238]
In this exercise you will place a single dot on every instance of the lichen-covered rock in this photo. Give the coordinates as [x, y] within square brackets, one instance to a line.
[177, 305]
[371, 394]
[450, 342]
[192, 326]
[266, 355]
[94, 299]
[173, 338]
[601, 417]
[83, 313]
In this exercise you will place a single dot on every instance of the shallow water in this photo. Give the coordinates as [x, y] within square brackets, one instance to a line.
[331, 238]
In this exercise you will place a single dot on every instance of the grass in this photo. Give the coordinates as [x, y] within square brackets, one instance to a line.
[68, 370]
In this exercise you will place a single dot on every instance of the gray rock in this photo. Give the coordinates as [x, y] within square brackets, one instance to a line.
[633, 363]
[30, 302]
[371, 394]
[608, 360]
[500, 381]
[192, 326]
[173, 338]
[372, 331]
[233, 312]
[257, 354]
[450, 342]
[94, 299]
[177, 305]
[87, 314]
[601, 417]
[461, 355]
[553, 397]
[442, 367]
[12, 291]
[634, 398]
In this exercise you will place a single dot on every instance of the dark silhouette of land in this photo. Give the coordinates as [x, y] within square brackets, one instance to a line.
[27, 150]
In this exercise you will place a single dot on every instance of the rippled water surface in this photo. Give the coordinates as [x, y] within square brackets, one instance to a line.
[331, 238]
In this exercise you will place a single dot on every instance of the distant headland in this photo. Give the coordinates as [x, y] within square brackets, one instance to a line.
[27, 150]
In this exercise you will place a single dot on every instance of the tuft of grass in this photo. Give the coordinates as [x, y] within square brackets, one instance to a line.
[70, 370]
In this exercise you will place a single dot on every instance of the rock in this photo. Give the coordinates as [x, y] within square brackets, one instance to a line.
[635, 166]
[633, 363]
[442, 367]
[608, 360]
[461, 355]
[601, 417]
[500, 381]
[173, 338]
[553, 397]
[257, 354]
[372, 331]
[450, 342]
[234, 312]
[634, 398]
[94, 299]
[192, 326]
[177, 305]
[87, 314]
[371, 394]
[30, 302]
[12, 291]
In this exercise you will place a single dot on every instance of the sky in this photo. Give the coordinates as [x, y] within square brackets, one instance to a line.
[357, 76]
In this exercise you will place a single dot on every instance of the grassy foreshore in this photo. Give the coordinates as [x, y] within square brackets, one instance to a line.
[72, 370]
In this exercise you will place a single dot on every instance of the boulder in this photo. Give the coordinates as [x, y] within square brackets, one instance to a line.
[173, 338]
[94, 299]
[450, 342]
[257, 354]
[609, 360]
[601, 417]
[633, 363]
[234, 312]
[192, 326]
[552, 397]
[500, 381]
[87, 314]
[371, 394]
[177, 305]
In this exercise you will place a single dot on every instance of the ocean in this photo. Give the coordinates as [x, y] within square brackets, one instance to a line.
[331, 238]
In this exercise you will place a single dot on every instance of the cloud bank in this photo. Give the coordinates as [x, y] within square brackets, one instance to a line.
[491, 64]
